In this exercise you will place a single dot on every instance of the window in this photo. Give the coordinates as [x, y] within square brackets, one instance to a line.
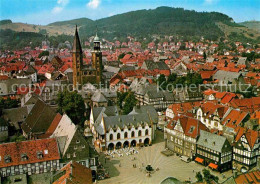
[39, 155]
[77, 141]
[24, 157]
[139, 133]
[111, 137]
[146, 132]
[92, 162]
[118, 136]
[68, 155]
[125, 135]
[132, 134]
[8, 159]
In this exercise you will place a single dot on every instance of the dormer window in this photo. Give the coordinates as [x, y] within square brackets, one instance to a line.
[214, 143]
[205, 140]
[8, 159]
[24, 157]
[77, 141]
[39, 155]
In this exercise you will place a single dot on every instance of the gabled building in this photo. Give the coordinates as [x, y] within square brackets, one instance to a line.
[235, 118]
[113, 131]
[29, 157]
[73, 173]
[246, 149]
[72, 144]
[38, 120]
[214, 151]
[211, 114]
[181, 135]
[246, 178]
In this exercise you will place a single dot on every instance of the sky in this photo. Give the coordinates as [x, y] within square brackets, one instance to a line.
[42, 12]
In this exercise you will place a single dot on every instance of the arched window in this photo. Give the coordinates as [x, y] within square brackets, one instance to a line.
[139, 133]
[111, 137]
[132, 134]
[126, 135]
[118, 136]
[146, 132]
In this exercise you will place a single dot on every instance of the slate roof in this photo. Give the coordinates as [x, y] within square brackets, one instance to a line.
[108, 111]
[83, 149]
[39, 119]
[127, 120]
[76, 42]
[241, 60]
[209, 60]
[98, 97]
[226, 76]
[16, 114]
[211, 141]
[99, 112]
[9, 83]
[151, 65]
[146, 109]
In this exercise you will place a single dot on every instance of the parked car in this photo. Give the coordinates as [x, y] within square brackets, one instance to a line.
[185, 159]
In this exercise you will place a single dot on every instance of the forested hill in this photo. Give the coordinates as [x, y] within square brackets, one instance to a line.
[79, 22]
[177, 22]
[162, 21]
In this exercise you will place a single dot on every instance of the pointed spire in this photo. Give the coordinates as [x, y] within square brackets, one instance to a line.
[76, 42]
[96, 39]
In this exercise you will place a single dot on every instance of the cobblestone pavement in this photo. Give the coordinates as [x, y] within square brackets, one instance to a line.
[168, 166]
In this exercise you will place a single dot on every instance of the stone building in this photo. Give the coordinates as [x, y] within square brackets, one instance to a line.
[83, 73]
[111, 131]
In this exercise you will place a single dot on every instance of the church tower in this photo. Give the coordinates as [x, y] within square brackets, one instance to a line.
[77, 59]
[97, 60]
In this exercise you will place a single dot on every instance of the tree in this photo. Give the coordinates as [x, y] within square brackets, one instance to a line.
[208, 177]
[120, 98]
[73, 105]
[8, 104]
[199, 177]
[162, 81]
[172, 78]
[129, 103]
[204, 55]
[121, 56]
[44, 53]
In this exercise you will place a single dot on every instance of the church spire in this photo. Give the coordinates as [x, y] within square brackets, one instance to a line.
[76, 42]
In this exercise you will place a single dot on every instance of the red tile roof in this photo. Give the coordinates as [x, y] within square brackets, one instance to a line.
[75, 173]
[250, 135]
[48, 148]
[234, 118]
[190, 126]
[251, 177]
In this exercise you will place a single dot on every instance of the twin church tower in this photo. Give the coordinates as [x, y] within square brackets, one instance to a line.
[83, 73]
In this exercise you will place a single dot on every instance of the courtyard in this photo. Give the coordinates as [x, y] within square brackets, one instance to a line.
[121, 168]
